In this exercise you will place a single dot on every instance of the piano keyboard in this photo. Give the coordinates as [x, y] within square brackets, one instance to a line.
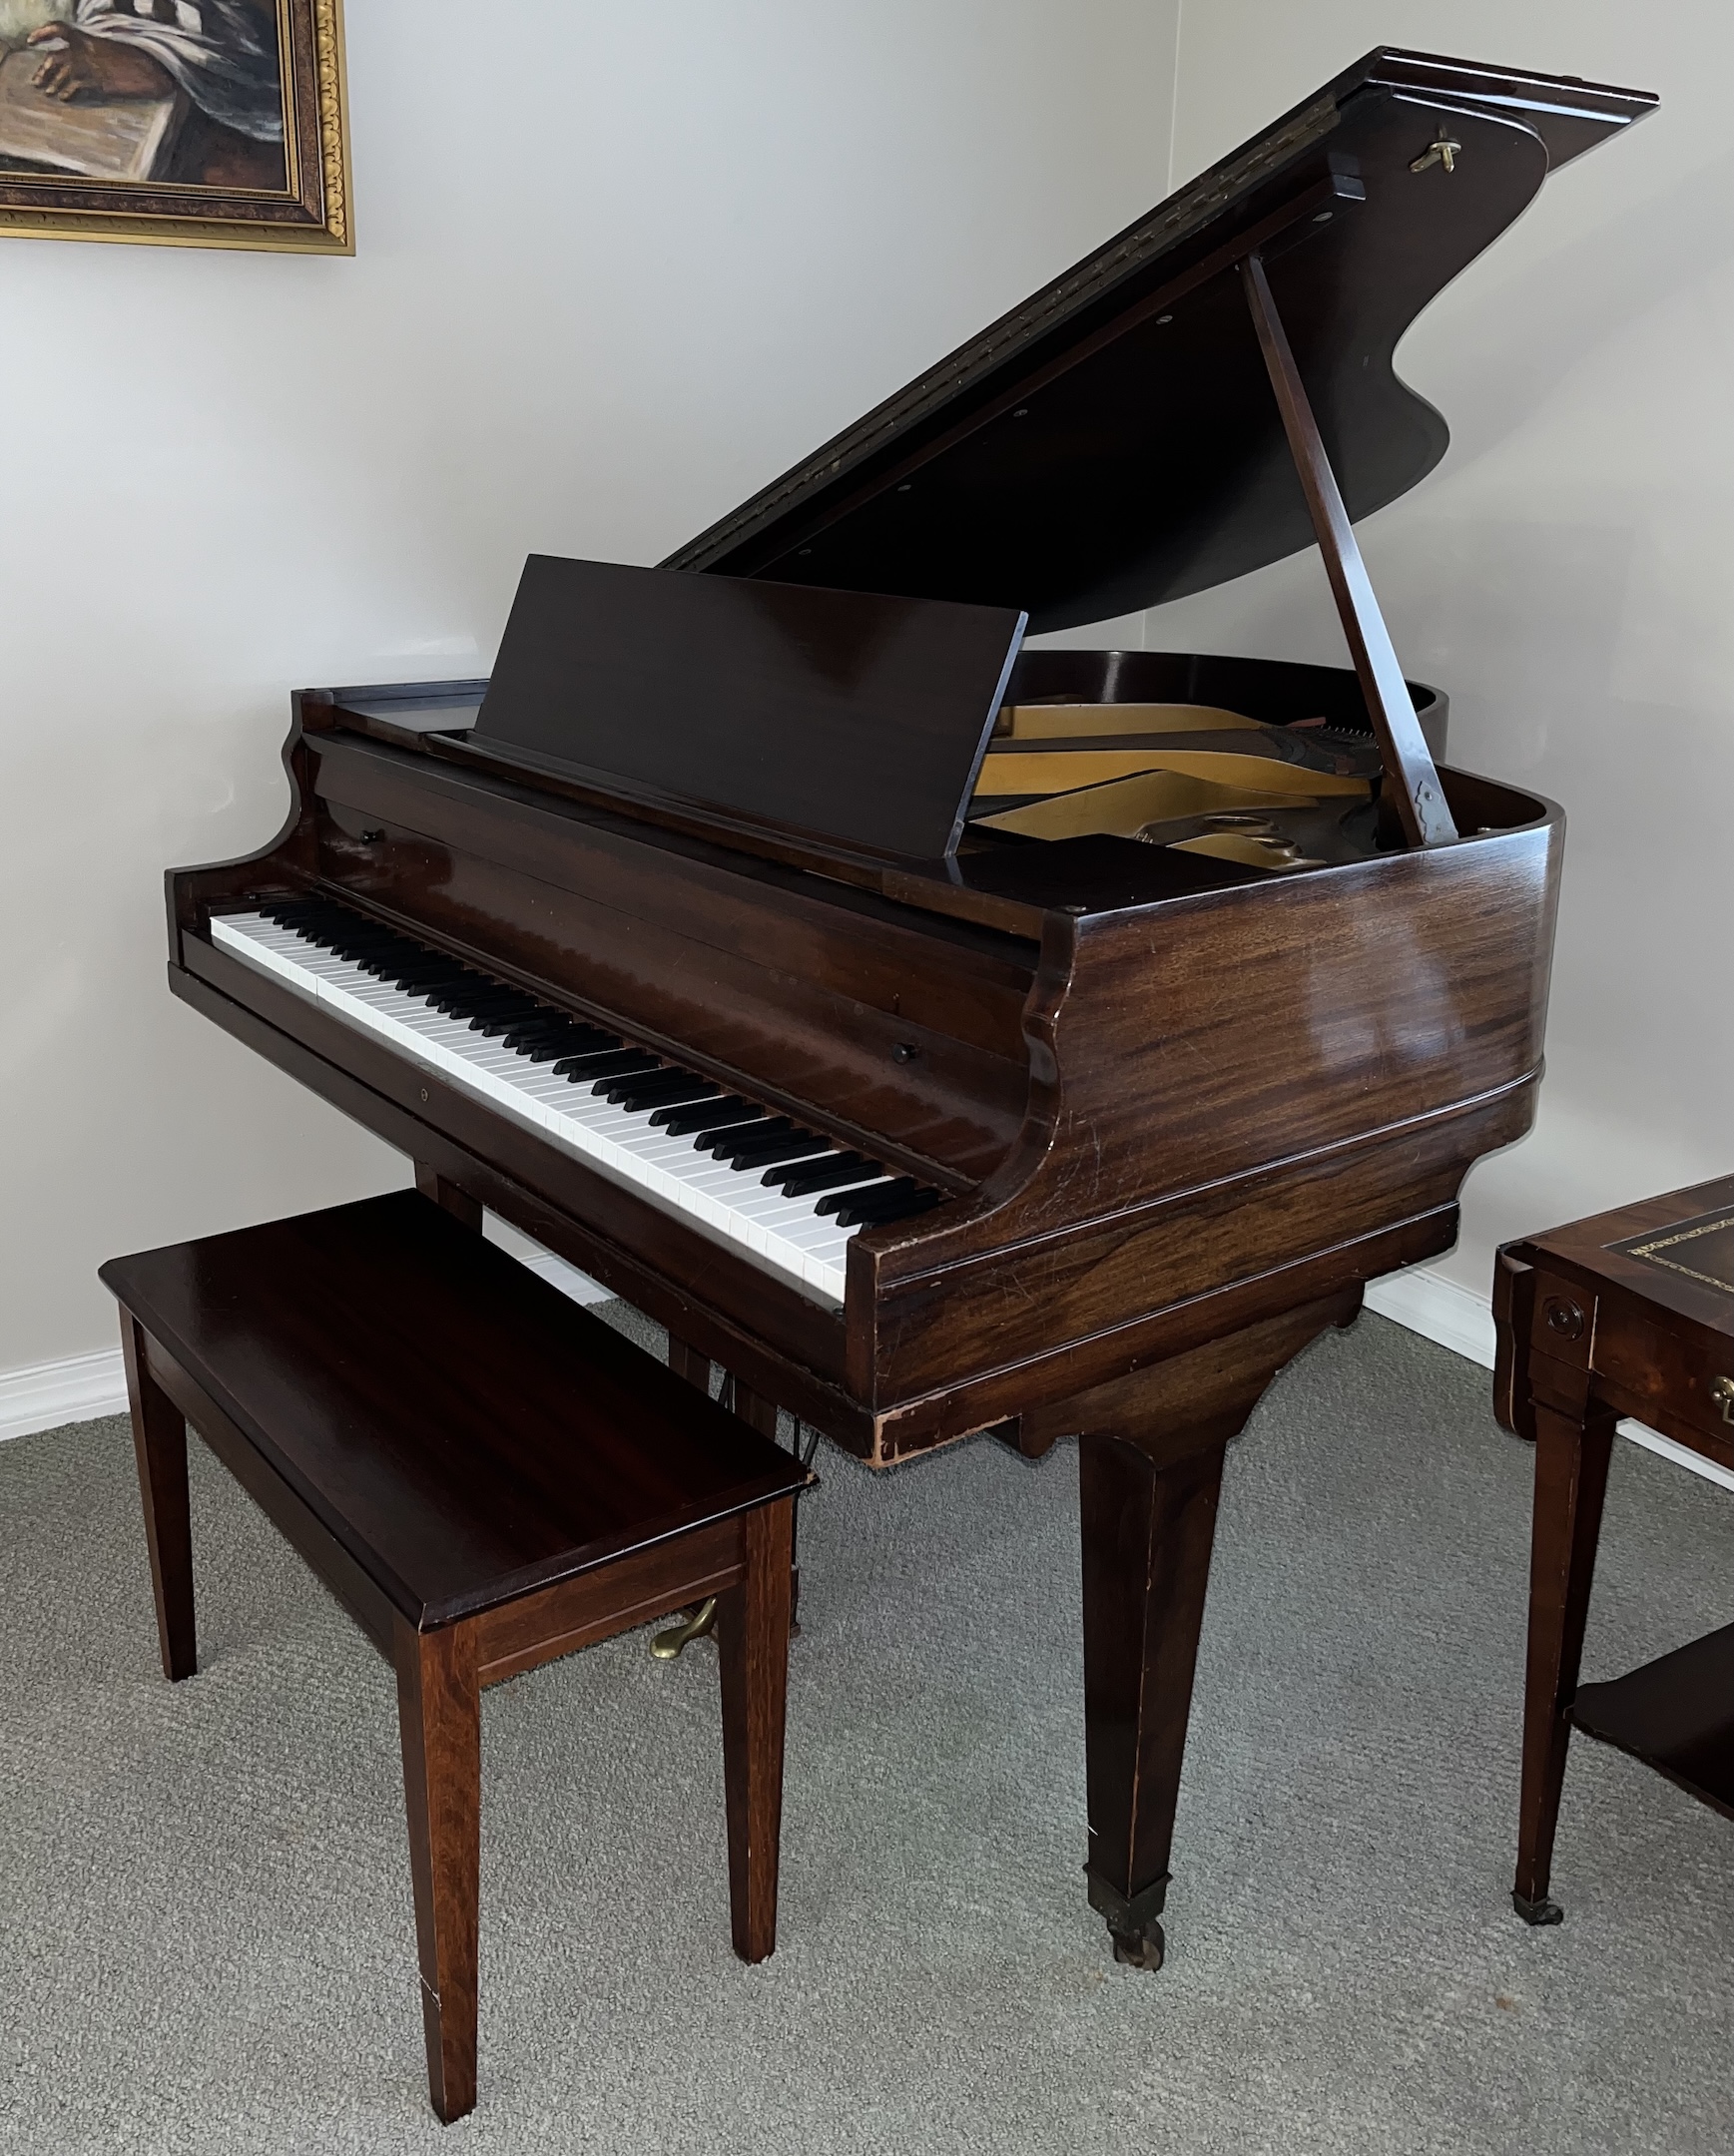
[781, 1195]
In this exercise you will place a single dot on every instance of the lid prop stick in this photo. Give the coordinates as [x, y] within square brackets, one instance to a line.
[1414, 783]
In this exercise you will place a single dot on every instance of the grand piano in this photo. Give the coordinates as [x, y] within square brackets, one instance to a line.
[1083, 1096]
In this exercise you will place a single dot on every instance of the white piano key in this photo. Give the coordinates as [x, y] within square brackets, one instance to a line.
[785, 1233]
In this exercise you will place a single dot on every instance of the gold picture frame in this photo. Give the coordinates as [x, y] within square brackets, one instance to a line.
[149, 120]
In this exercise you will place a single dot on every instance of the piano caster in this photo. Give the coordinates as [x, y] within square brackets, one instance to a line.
[1133, 1926]
[700, 1624]
[1538, 1911]
[1144, 1951]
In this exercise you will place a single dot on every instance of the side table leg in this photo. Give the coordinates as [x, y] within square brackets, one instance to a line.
[1571, 1459]
[753, 1634]
[439, 1711]
[160, 1443]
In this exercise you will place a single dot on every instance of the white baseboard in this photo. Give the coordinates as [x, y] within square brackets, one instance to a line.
[78, 1388]
[1459, 1320]
[81, 1387]
[1438, 1309]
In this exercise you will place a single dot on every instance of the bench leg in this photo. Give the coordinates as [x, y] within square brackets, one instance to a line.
[160, 1443]
[759, 1412]
[753, 1634]
[439, 1711]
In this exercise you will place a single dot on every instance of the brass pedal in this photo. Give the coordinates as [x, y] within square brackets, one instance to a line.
[701, 1624]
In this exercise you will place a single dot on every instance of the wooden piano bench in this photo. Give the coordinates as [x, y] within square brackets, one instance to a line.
[1628, 1312]
[486, 1478]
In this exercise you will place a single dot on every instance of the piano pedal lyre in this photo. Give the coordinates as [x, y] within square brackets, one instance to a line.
[701, 1623]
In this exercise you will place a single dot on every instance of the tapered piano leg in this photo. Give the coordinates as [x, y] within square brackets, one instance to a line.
[1147, 1535]
[1150, 1469]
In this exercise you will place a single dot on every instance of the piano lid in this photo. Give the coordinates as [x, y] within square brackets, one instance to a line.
[1113, 442]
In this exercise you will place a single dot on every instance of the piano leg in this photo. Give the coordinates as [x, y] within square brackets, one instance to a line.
[1148, 1527]
[1150, 1469]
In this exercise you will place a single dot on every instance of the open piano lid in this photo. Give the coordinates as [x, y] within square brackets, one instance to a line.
[1114, 443]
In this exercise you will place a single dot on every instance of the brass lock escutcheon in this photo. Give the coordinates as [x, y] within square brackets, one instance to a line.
[1722, 1395]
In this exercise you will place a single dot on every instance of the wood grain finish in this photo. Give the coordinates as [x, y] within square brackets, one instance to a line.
[802, 993]
[1588, 1332]
[1150, 1469]
[440, 1719]
[486, 1478]
[753, 1622]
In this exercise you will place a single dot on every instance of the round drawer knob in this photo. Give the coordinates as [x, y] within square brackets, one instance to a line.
[1565, 1319]
[1722, 1395]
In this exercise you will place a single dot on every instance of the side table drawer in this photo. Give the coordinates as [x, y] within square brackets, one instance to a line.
[1674, 1377]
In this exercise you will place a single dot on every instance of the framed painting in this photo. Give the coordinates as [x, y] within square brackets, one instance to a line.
[183, 123]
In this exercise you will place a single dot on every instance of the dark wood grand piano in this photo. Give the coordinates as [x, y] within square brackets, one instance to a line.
[1087, 1117]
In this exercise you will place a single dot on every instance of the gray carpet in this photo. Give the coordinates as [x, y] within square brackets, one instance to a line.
[207, 1941]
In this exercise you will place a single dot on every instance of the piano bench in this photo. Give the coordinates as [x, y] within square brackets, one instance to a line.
[485, 1476]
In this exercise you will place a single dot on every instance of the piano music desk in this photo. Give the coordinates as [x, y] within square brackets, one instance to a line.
[485, 1478]
[1629, 1313]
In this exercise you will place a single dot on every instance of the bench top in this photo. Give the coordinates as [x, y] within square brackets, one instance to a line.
[465, 1431]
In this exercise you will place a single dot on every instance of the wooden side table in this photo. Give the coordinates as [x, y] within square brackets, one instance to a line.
[1631, 1313]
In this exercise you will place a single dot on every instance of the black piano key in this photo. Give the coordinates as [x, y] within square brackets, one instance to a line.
[581, 1041]
[799, 1144]
[878, 1202]
[722, 1142]
[485, 1001]
[874, 1211]
[491, 1024]
[657, 1089]
[610, 1063]
[801, 1178]
[536, 1034]
[461, 1000]
[706, 1115]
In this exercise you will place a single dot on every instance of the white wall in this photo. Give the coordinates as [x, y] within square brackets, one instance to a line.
[1568, 574]
[617, 266]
